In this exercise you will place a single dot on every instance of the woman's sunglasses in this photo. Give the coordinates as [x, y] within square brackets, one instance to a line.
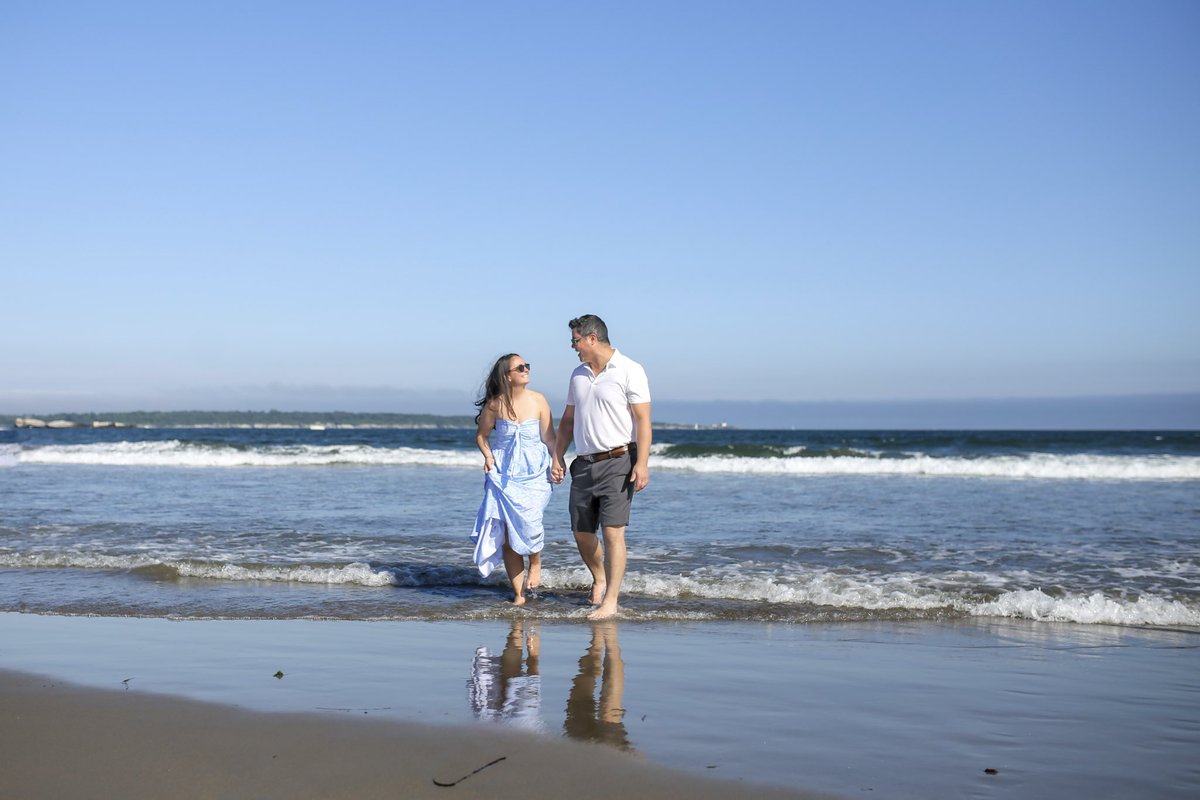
[520, 368]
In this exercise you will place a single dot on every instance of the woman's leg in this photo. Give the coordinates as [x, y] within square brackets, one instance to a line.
[535, 571]
[514, 565]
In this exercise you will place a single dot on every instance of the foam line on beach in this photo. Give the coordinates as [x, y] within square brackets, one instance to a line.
[800, 597]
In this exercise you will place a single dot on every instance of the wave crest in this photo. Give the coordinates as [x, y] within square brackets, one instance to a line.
[175, 453]
[1038, 466]
[662, 596]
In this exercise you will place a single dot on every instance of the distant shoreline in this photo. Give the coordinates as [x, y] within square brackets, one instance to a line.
[236, 419]
[260, 420]
[1158, 412]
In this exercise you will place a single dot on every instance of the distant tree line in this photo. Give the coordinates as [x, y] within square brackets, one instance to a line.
[167, 419]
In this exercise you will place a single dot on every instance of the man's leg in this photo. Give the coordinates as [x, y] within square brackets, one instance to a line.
[593, 559]
[614, 571]
[612, 681]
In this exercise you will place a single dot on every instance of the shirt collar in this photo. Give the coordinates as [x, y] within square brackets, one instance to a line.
[614, 361]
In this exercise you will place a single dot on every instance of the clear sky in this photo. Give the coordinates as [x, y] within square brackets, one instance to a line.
[360, 205]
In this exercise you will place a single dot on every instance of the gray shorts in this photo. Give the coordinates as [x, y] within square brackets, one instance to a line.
[601, 493]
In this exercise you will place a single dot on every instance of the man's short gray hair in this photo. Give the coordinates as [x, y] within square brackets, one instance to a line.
[589, 324]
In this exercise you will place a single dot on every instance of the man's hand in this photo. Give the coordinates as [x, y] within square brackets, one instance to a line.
[639, 476]
[557, 471]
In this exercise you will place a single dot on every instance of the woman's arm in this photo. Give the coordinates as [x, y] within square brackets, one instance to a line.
[547, 424]
[487, 421]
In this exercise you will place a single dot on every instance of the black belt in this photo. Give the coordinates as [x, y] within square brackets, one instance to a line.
[616, 452]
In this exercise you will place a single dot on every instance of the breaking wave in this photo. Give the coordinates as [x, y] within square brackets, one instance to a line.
[811, 597]
[1038, 466]
[174, 453]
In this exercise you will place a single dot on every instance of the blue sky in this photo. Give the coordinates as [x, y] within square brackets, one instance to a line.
[360, 205]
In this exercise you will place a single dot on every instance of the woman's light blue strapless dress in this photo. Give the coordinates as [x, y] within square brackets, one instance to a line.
[515, 494]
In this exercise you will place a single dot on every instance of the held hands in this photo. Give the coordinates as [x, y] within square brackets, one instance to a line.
[557, 471]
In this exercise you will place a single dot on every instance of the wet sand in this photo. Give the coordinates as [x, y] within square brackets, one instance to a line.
[63, 741]
[897, 710]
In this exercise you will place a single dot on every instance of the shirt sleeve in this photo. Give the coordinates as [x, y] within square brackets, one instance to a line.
[638, 390]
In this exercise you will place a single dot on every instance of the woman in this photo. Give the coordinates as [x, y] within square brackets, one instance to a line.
[516, 437]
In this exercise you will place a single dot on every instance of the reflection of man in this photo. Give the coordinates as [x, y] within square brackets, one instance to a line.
[603, 721]
[608, 417]
[504, 689]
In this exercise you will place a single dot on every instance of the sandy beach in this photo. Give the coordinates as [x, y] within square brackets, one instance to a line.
[306, 708]
[63, 741]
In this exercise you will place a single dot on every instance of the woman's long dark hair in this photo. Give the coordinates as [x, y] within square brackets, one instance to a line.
[497, 385]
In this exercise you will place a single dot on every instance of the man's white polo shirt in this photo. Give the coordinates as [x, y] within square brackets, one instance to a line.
[603, 419]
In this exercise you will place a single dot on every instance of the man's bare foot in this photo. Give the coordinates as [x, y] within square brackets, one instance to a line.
[603, 612]
[598, 591]
[518, 600]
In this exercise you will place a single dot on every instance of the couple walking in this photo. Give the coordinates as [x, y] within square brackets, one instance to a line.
[607, 415]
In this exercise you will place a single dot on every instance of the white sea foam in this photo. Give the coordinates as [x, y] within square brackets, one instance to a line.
[76, 560]
[896, 592]
[181, 454]
[355, 574]
[892, 594]
[175, 453]
[900, 593]
[1036, 466]
[1097, 609]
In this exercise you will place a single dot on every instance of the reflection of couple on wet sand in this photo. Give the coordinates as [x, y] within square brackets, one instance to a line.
[507, 687]
[592, 718]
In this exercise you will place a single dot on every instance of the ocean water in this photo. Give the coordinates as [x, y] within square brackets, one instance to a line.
[800, 527]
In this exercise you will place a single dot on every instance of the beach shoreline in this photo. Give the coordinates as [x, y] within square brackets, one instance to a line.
[906, 709]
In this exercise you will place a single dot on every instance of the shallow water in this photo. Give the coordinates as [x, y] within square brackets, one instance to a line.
[801, 527]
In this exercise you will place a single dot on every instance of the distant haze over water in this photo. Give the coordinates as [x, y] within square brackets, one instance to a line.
[1125, 412]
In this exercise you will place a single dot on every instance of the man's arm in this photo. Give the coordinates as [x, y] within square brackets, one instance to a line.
[640, 475]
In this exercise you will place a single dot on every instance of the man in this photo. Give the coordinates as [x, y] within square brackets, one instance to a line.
[608, 418]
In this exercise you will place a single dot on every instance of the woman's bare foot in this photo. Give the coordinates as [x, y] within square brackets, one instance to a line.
[535, 573]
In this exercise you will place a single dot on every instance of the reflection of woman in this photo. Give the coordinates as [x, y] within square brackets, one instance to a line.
[516, 436]
[500, 689]
[602, 721]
